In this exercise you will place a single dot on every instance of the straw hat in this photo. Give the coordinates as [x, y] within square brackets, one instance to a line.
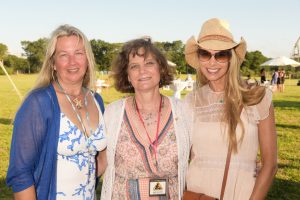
[214, 35]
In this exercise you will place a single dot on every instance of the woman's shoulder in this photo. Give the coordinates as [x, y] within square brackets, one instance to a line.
[266, 94]
[99, 100]
[113, 112]
[261, 109]
[39, 91]
[42, 95]
[116, 103]
[37, 101]
[267, 99]
[115, 106]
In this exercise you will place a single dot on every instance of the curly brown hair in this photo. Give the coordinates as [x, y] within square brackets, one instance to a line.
[120, 64]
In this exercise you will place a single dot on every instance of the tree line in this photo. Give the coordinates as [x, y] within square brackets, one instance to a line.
[34, 51]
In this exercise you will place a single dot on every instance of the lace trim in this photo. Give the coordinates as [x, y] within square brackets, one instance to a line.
[209, 105]
[212, 113]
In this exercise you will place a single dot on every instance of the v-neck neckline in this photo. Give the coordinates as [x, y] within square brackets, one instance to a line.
[137, 126]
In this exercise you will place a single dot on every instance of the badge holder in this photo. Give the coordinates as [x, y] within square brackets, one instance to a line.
[158, 187]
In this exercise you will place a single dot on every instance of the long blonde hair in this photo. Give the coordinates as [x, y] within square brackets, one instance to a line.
[47, 73]
[235, 98]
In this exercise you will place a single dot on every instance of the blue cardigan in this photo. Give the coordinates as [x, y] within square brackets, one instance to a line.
[33, 154]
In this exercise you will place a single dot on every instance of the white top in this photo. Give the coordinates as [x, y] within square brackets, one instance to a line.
[76, 166]
[210, 144]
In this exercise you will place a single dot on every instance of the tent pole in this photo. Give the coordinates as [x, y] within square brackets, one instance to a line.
[11, 81]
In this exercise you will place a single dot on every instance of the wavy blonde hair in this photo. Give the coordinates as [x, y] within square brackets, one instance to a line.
[47, 74]
[236, 96]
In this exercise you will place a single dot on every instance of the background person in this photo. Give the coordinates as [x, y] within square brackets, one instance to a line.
[274, 77]
[59, 128]
[148, 138]
[279, 81]
[225, 113]
[262, 76]
[274, 80]
[282, 79]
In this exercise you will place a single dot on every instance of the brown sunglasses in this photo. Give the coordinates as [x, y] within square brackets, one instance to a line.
[221, 56]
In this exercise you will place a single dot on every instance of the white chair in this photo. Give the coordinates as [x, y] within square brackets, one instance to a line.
[177, 87]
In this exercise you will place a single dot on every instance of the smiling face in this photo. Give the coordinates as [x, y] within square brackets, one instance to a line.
[214, 71]
[143, 73]
[70, 60]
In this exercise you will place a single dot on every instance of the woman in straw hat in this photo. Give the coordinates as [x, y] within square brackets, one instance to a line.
[228, 120]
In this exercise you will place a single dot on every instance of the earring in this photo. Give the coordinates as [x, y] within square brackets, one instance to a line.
[160, 83]
[52, 73]
[130, 85]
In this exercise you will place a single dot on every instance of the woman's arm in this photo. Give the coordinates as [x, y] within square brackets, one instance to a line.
[26, 147]
[27, 194]
[268, 149]
[101, 162]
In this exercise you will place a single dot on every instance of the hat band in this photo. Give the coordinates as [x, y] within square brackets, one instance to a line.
[215, 37]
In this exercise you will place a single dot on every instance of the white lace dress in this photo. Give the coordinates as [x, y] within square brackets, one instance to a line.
[76, 167]
[209, 145]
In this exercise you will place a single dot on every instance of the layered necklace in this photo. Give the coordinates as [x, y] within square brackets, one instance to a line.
[75, 100]
[76, 105]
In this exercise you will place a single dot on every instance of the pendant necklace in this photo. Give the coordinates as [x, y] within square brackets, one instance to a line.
[78, 115]
[78, 103]
[75, 98]
[152, 144]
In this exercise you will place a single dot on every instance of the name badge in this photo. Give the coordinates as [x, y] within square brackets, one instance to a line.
[158, 187]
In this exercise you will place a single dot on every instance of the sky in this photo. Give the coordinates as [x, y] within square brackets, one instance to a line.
[269, 26]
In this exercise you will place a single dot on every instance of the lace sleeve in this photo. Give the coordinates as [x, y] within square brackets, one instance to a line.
[262, 109]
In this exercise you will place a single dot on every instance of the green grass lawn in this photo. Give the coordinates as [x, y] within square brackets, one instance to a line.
[287, 111]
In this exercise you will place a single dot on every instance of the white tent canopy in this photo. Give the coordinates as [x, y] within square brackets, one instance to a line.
[281, 61]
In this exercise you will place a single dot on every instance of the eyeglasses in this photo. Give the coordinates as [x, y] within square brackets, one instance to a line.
[220, 57]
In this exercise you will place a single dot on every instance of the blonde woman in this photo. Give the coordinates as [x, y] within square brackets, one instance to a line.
[59, 128]
[227, 114]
